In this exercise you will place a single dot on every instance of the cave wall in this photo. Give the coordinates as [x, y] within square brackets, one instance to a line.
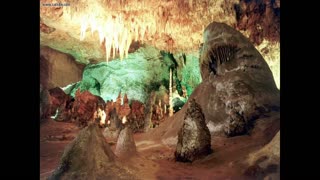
[58, 69]
[144, 71]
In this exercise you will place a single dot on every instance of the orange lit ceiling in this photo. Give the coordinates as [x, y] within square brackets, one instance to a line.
[104, 29]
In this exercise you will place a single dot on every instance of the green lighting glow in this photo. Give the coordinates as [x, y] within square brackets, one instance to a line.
[139, 74]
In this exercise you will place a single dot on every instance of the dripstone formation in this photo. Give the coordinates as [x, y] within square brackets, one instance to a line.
[89, 156]
[125, 145]
[194, 140]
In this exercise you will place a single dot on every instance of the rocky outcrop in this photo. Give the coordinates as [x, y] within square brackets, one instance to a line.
[89, 157]
[126, 146]
[58, 69]
[194, 140]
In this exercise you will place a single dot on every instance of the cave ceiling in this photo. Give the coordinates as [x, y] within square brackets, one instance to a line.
[83, 27]
[104, 30]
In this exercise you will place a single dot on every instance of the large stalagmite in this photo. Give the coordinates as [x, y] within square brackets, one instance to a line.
[89, 157]
[237, 85]
[125, 146]
[194, 140]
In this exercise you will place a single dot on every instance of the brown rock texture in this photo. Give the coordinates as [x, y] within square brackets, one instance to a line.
[126, 146]
[58, 69]
[260, 18]
[235, 90]
[238, 85]
[172, 22]
[61, 104]
[136, 118]
[194, 140]
[89, 157]
[265, 162]
[85, 106]
[58, 99]
[45, 104]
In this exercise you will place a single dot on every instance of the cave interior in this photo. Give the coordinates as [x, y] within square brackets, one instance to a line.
[145, 89]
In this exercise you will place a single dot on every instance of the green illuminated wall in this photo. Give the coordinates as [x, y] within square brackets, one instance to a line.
[143, 71]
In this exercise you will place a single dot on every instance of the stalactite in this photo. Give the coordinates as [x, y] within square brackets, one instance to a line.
[170, 95]
[190, 4]
[221, 54]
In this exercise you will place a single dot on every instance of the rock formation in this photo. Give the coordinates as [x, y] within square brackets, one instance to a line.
[45, 104]
[265, 161]
[118, 102]
[84, 107]
[260, 18]
[61, 104]
[149, 111]
[242, 90]
[125, 108]
[238, 85]
[194, 140]
[89, 157]
[136, 118]
[58, 99]
[126, 146]
[58, 69]
[111, 134]
[112, 131]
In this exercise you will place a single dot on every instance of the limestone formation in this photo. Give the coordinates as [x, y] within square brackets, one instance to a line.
[58, 99]
[238, 86]
[112, 131]
[194, 140]
[111, 134]
[136, 118]
[264, 162]
[61, 104]
[89, 157]
[126, 146]
[84, 107]
[45, 104]
[148, 111]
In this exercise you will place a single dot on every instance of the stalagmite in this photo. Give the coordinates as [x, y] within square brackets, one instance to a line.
[126, 146]
[170, 95]
[148, 111]
[160, 107]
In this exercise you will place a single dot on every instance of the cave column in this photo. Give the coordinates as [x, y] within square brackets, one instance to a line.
[148, 111]
[170, 95]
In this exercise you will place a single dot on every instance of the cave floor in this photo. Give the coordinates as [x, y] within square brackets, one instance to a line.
[155, 160]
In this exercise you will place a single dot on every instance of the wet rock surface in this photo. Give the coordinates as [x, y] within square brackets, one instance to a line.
[194, 140]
